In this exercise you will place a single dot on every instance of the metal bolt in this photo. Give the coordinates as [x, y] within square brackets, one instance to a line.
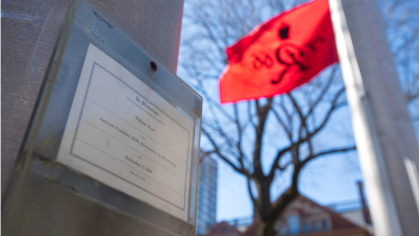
[153, 66]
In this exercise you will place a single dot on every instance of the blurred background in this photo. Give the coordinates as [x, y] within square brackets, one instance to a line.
[332, 197]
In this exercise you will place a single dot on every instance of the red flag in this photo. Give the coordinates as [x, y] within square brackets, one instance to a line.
[280, 54]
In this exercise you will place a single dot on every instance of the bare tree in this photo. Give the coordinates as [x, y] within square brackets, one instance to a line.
[401, 18]
[238, 133]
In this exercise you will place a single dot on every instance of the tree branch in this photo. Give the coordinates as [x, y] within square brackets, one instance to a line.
[328, 152]
[240, 170]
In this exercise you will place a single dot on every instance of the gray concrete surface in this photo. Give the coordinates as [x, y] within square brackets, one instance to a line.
[29, 29]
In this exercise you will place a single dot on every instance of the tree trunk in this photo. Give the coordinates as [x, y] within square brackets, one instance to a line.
[268, 213]
[264, 217]
[266, 228]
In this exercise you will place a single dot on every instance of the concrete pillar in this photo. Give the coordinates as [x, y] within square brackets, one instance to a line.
[28, 33]
[385, 138]
[46, 197]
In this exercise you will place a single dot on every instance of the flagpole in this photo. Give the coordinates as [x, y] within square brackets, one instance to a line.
[385, 138]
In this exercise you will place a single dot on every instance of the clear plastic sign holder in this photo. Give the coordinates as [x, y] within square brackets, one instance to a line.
[112, 125]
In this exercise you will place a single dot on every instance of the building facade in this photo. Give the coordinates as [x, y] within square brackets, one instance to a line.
[305, 217]
[223, 229]
[207, 195]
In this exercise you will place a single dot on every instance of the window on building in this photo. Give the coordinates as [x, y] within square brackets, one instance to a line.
[305, 227]
[325, 225]
[282, 230]
[293, 224]
[314, 226]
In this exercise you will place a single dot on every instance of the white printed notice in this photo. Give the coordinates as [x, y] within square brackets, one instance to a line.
[125, 135]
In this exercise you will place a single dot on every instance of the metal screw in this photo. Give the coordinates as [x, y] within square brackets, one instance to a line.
[153, 66]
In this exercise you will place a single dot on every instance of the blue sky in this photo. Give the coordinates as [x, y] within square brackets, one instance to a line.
[328, 180]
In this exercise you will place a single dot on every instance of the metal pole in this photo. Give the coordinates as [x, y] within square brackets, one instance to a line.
[386, 143]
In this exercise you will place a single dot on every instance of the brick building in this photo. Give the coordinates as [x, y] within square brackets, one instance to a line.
[304, 217]
[307, 218]
[223, 229]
